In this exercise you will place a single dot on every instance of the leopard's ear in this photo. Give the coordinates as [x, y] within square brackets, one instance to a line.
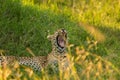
[49, 37]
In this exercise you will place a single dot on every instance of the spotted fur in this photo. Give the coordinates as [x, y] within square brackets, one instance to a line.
[57, 55]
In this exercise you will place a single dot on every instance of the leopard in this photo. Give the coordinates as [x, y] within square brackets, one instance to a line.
[58, 55]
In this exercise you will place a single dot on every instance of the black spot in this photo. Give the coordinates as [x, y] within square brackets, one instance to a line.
[64, 56]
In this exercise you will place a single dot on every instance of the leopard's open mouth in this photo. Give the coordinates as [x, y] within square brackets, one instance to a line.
[61, 42]
[61, 39]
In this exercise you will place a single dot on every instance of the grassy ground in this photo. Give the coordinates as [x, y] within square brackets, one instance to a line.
[16, 35]
[26, 25]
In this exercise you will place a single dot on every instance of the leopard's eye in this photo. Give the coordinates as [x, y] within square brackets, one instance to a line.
[65, 35]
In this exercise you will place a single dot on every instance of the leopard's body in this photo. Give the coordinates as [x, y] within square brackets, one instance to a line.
[57, 55]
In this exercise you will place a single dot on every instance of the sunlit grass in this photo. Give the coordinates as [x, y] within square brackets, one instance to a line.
[83, 66]
[94, 32]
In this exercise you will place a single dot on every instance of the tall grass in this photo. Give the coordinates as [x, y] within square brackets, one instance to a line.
[83, 66]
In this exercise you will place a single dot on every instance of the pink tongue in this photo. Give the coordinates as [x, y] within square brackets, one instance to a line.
[62, 43]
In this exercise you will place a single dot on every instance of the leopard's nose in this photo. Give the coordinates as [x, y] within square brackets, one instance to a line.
[63, 30]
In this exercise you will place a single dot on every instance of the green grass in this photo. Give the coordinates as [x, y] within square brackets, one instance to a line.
[26, 24]
[28, 27]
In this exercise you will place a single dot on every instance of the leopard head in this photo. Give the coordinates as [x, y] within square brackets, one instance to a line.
[59, 41]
